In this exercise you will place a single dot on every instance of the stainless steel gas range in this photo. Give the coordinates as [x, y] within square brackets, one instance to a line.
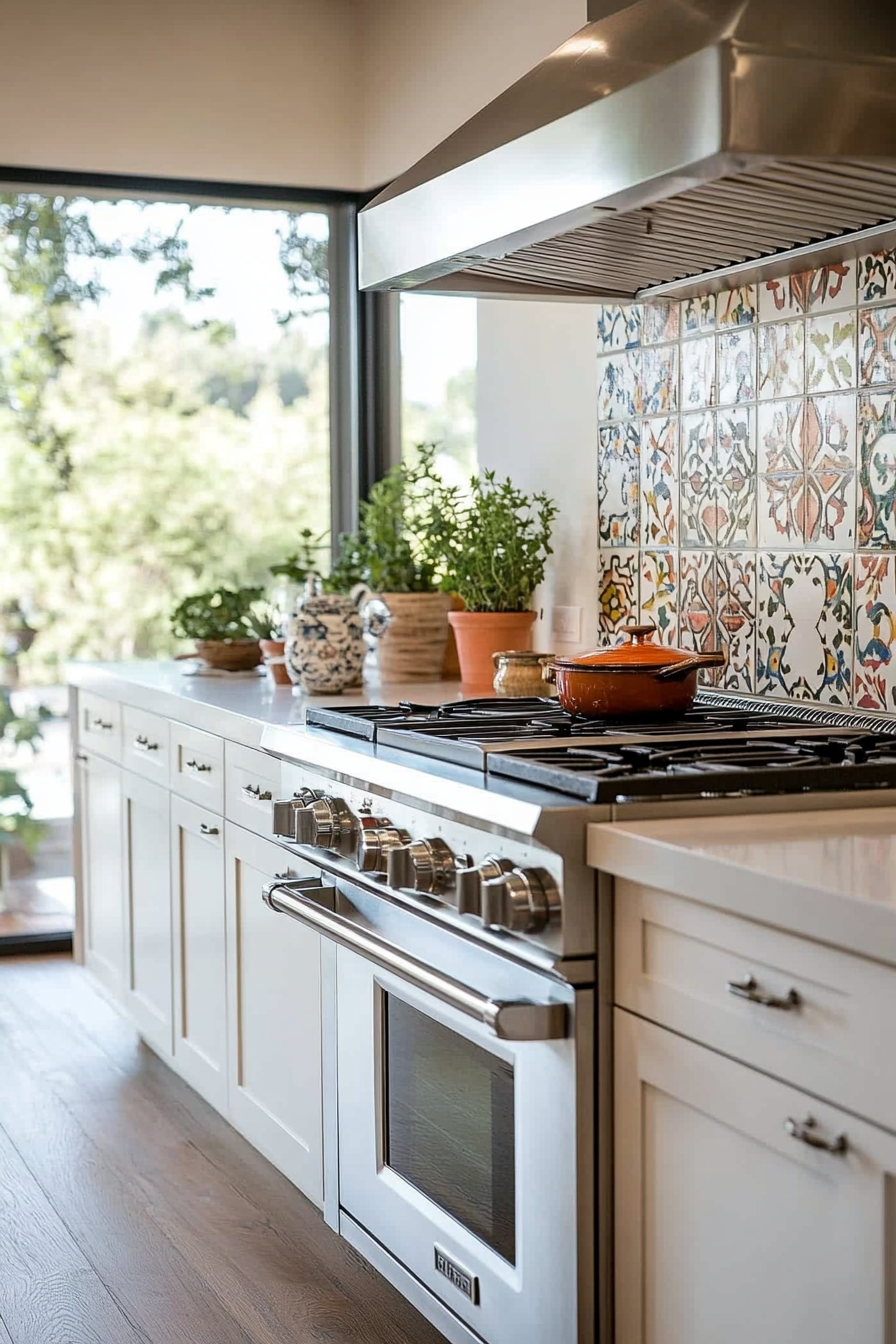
[442, 859]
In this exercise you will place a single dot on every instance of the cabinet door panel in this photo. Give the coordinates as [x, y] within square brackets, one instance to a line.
[200, 999]
[274, 1015]
[103, 898]
[729, 1228]
[147, 872]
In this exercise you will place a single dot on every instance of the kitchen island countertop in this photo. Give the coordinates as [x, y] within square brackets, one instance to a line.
[827, 875]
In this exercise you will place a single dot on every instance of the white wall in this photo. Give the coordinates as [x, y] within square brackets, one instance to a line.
[238, 90]
[537, 408]
[430, 66]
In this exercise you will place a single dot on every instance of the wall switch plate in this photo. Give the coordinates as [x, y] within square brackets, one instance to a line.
[566, 624]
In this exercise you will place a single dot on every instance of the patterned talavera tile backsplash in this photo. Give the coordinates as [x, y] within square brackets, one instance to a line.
[747, 479]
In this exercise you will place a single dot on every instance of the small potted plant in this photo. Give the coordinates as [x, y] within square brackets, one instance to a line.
[226, 625]
[292, 574]
[496, 550]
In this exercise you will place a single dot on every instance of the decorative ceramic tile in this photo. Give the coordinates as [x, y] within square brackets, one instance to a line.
[736, 366]
[659, 380]
[827, 509]
[779, 522]
[697, 601]
[780, 436]
[875, 653]
[736, 618]
[659, 482]
[831, 352]
[618, 385]
[829, 433]
[618, 326]
[877, 346]
[698, 314]
[877, 276]
[808, 291]
[618, 474]
[660, 322]
[737, 307]
[698, 480]
[617, 592]
[659, 593]
[735, 470]
[876, 526]
[804, 641]
[781, 359]
[698, 369]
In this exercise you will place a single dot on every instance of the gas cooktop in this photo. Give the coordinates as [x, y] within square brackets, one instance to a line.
[724, 746]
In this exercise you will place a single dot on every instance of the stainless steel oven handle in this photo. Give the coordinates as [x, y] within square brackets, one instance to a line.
[520, 1021]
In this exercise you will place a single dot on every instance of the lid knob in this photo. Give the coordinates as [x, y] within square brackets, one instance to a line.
[640, 634]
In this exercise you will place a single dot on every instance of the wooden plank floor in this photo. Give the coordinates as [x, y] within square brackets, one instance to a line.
[130, 1213]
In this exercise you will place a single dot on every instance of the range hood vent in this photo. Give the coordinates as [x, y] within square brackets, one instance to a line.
[667, 148]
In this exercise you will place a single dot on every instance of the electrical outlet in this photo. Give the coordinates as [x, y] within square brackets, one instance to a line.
[566, 624]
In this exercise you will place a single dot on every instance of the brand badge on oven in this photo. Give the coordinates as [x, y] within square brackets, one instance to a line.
[463, 1280]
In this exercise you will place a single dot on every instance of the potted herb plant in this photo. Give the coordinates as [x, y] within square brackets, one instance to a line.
[226, 625]
[401, 559]
[496, 548]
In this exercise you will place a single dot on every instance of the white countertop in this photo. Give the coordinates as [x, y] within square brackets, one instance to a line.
[828, 875]
[239, 709]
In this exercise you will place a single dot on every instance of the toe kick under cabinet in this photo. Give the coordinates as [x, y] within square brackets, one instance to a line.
[173, 926]
[754, 1132]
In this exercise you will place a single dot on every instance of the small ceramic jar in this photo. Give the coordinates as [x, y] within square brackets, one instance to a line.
[519, 672]
[325, 644]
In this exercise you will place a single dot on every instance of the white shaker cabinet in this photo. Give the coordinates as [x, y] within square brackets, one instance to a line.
[102, 903]
[200, 966]
[148, 925]
[274, 1018]
[729, 1227]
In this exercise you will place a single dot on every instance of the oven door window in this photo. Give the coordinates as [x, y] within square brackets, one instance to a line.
[450, 1123]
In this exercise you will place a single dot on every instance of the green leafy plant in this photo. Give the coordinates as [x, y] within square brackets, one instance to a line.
[496, 544]
[224, 614]
[402, 525]
[305, 560]
[348, 567]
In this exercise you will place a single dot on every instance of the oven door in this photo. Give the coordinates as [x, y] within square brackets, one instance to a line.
[457, 1153]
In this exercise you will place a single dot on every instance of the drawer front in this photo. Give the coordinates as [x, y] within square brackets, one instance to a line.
[144, 747]
[251, 783]
[809, 1014]
[99, 725]
[197, 766]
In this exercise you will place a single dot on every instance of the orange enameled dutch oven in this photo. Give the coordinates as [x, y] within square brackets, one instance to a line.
[638, 678]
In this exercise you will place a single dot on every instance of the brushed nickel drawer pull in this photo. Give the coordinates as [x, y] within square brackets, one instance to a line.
[255, 792]
[205, 829]
[199, 769]
[805, 1131]
[748, 988]
[142, 743]
[103, 725]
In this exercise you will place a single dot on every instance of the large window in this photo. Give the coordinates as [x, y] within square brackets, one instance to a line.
[438, 379]
[164, 410]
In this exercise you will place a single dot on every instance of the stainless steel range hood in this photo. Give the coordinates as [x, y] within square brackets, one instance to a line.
[668, 140]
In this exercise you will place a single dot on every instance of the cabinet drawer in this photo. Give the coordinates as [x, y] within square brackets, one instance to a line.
[197, 766]
[144, 746]
[807, 1013]
[99, 725]
[251, 783]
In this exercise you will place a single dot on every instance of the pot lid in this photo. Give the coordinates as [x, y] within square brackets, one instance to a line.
[639, 649]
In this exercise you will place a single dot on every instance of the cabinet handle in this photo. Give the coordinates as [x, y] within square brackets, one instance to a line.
[103, 725]
[198, 768]
[254, 791]
[142, 743]
[80, 755]
[805, 1131]
[748, 988]
[281, 876]
[205, 829]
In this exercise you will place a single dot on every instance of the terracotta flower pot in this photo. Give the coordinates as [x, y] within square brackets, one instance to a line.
[412, 645]
[230, 655]
[274, 661]
[482, 634]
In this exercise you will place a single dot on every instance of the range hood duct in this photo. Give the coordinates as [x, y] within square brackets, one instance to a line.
[672, 146]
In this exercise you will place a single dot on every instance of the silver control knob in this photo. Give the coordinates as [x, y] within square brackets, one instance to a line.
[525, 900]
[470, 880]
[286, 810]
[378, 840]
[424, 865]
